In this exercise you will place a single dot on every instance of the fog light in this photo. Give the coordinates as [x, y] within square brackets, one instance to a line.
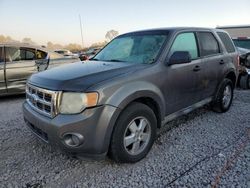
[73, 139]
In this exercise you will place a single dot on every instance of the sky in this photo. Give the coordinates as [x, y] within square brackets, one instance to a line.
[58, 20]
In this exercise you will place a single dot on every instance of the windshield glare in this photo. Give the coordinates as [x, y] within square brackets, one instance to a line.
[132, 49]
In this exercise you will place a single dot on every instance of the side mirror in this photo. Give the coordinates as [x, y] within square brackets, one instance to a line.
[180, 57]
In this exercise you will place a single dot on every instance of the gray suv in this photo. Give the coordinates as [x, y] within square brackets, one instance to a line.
[114, 103]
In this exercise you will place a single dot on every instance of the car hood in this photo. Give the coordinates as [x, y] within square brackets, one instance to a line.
[81, 75]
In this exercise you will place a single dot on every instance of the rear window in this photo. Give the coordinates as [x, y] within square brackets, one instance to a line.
[208, 43]
[242, 43]
[227, 42]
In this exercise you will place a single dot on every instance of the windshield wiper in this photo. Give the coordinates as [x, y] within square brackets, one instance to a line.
[115, 60]
[110, 60]
[93, 59]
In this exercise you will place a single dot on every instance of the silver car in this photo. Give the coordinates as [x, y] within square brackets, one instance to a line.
[19, 61]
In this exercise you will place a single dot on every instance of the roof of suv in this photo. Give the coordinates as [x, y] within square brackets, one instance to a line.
[173, 29]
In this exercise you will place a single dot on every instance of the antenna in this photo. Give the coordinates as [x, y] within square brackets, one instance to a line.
[81, 28]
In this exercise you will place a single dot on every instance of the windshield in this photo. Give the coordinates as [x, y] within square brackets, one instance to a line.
[242, 43]
[132, 49]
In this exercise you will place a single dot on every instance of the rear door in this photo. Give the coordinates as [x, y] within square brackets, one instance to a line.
[2, 76]
[20, 65]
[214, 61]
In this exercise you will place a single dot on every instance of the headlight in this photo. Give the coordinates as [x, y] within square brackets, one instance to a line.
[73, 103]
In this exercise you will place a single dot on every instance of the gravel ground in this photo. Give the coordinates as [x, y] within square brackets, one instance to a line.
[202, 149]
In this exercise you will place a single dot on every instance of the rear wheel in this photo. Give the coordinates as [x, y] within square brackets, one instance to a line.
[224, 96]
[245, 81]
[134, 133]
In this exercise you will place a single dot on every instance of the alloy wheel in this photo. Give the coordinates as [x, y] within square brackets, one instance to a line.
[137, 135]
[227, 96]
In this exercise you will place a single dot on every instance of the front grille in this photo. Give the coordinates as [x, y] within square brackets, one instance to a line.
[42, 100]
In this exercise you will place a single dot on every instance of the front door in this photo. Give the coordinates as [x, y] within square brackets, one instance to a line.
[182, 81]
[20, 65]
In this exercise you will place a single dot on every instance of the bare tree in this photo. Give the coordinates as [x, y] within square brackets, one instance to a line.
[98, 44]
[6, 39]
[53, 46]
[111, 34]
[28, 40]
[73, 47]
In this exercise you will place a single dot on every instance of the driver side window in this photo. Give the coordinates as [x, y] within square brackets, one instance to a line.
[185, 42]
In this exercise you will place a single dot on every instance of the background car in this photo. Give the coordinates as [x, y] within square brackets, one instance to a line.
[244, 71]
[89, 54]
[67, 53]
[241, 37]
[19, 61]
[242, 42]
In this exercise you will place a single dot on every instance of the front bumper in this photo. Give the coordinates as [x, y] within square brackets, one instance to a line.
[95, 125]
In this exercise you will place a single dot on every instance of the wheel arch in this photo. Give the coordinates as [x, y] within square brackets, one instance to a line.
[147, 94]
[231, 76]
[143, 92]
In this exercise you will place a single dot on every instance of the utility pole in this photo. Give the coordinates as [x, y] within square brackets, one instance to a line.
[81, 28]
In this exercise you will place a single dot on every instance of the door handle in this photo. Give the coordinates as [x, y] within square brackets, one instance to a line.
[196, 68]
[222, 62]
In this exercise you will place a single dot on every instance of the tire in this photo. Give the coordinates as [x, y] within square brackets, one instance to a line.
[224, 97]
[138, 142]
[245, 81]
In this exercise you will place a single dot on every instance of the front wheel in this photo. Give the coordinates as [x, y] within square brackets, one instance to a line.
[224, 96]
[134, 133]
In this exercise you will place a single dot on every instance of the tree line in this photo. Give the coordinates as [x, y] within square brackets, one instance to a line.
[72, 46]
